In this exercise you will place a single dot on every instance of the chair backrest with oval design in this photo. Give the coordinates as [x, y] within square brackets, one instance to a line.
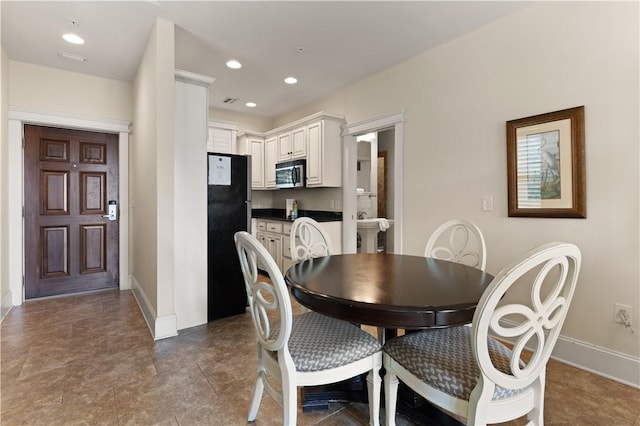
[269, 301]
[550, 273]
[459, 241]
[467, 370]
[308, 240]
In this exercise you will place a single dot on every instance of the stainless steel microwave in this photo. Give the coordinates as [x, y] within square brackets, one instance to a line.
[290, 174]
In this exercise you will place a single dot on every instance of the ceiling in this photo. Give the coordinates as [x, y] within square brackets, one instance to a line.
[327, 45]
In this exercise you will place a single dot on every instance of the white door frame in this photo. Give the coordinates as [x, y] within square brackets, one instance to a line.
[349, 177]
[15, 232]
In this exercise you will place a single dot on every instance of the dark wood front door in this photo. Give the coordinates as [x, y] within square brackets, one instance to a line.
[69, 178]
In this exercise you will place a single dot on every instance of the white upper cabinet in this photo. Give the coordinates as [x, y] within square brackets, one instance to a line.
[270, 160]
[292, 144]
[316, 138]
[253, 145]
[221, 137]
[324, 159]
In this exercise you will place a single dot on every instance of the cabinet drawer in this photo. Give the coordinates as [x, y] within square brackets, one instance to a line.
[274, 227]
[262, 225]
[286, 229]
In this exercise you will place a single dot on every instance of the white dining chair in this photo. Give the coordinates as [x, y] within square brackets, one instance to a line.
[459, 241]
[468, 372]
[308, 239]
[306, 350]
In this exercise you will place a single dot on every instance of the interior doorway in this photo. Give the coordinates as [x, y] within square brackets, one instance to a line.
[382, 183]
[389, 131]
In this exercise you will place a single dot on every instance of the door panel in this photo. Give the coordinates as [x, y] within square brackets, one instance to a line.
[55, 197]
[69, 177]
[55, 251]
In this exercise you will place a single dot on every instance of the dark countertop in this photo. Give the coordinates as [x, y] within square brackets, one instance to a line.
[279, 214]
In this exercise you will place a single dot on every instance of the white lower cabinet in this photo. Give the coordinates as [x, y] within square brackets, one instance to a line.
[274, 236]
[286, 248]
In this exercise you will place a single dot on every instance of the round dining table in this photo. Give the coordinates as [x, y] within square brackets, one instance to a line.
[390, 291]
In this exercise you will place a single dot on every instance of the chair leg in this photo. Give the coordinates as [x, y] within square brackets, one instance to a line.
[257, 396]
[289, 401]
[536, 415]
[373, 389]
[390, 397]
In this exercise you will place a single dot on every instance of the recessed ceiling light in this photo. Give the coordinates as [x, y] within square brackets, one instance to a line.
[291, 80]
[251, 104]
[234, 64]
[73, 38]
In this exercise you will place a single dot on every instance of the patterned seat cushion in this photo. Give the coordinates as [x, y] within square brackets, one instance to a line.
[443, 359]
[318, 342]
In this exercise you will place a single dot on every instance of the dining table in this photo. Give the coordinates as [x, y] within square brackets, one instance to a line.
[392, 292]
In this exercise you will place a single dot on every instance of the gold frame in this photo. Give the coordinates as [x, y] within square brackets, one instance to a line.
[545, 165]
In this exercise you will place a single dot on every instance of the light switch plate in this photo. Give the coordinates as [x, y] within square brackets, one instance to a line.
[487, 203]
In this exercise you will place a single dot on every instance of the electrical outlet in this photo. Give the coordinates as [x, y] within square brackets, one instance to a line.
[618, 309]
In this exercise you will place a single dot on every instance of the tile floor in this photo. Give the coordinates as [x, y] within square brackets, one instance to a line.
[89, 359]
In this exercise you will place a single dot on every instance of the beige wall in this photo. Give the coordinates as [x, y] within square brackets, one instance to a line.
[151, 178]
[456, 100]
[42, 89]
[5, 301]
[48, 89]
[245, 121]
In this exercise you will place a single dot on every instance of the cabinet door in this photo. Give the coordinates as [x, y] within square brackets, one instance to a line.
[256, 150]
[314, 154]
[286, 253]
[263, 240]
[221, 140]
[299, 142]
[270, 160]
[284, 146]
[274, 247]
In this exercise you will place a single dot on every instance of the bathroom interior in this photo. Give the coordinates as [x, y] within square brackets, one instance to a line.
[373, 199]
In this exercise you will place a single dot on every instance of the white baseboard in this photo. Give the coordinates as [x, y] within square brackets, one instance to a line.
[604, 362]
[160, 327]
[6, 305]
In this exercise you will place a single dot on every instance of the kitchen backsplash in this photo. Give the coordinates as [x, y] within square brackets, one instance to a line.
[323, 199]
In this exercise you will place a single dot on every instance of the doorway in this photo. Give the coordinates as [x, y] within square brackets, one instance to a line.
[70, 183]
[390, 134]
[17, 119]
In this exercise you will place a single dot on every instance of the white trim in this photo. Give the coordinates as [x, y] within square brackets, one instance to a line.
[374, 124]
[304, 120]
[166, 326]
[604, 362]
[15, 233]
[595, 359]
[223, 124]
[17, 118]
[160, 327]
[68, 121]
[6, 305]
[382, 122]
[193, 78]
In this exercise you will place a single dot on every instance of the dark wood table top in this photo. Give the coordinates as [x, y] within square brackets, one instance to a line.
[389, 290]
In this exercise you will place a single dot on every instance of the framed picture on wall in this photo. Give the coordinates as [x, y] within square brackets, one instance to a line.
[545, 165]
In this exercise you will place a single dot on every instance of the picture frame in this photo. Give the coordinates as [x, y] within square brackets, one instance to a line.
[546, 165]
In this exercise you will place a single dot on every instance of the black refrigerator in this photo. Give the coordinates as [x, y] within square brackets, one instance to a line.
[229, 211]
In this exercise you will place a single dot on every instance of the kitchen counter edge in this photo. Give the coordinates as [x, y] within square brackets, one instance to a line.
[279, 214]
